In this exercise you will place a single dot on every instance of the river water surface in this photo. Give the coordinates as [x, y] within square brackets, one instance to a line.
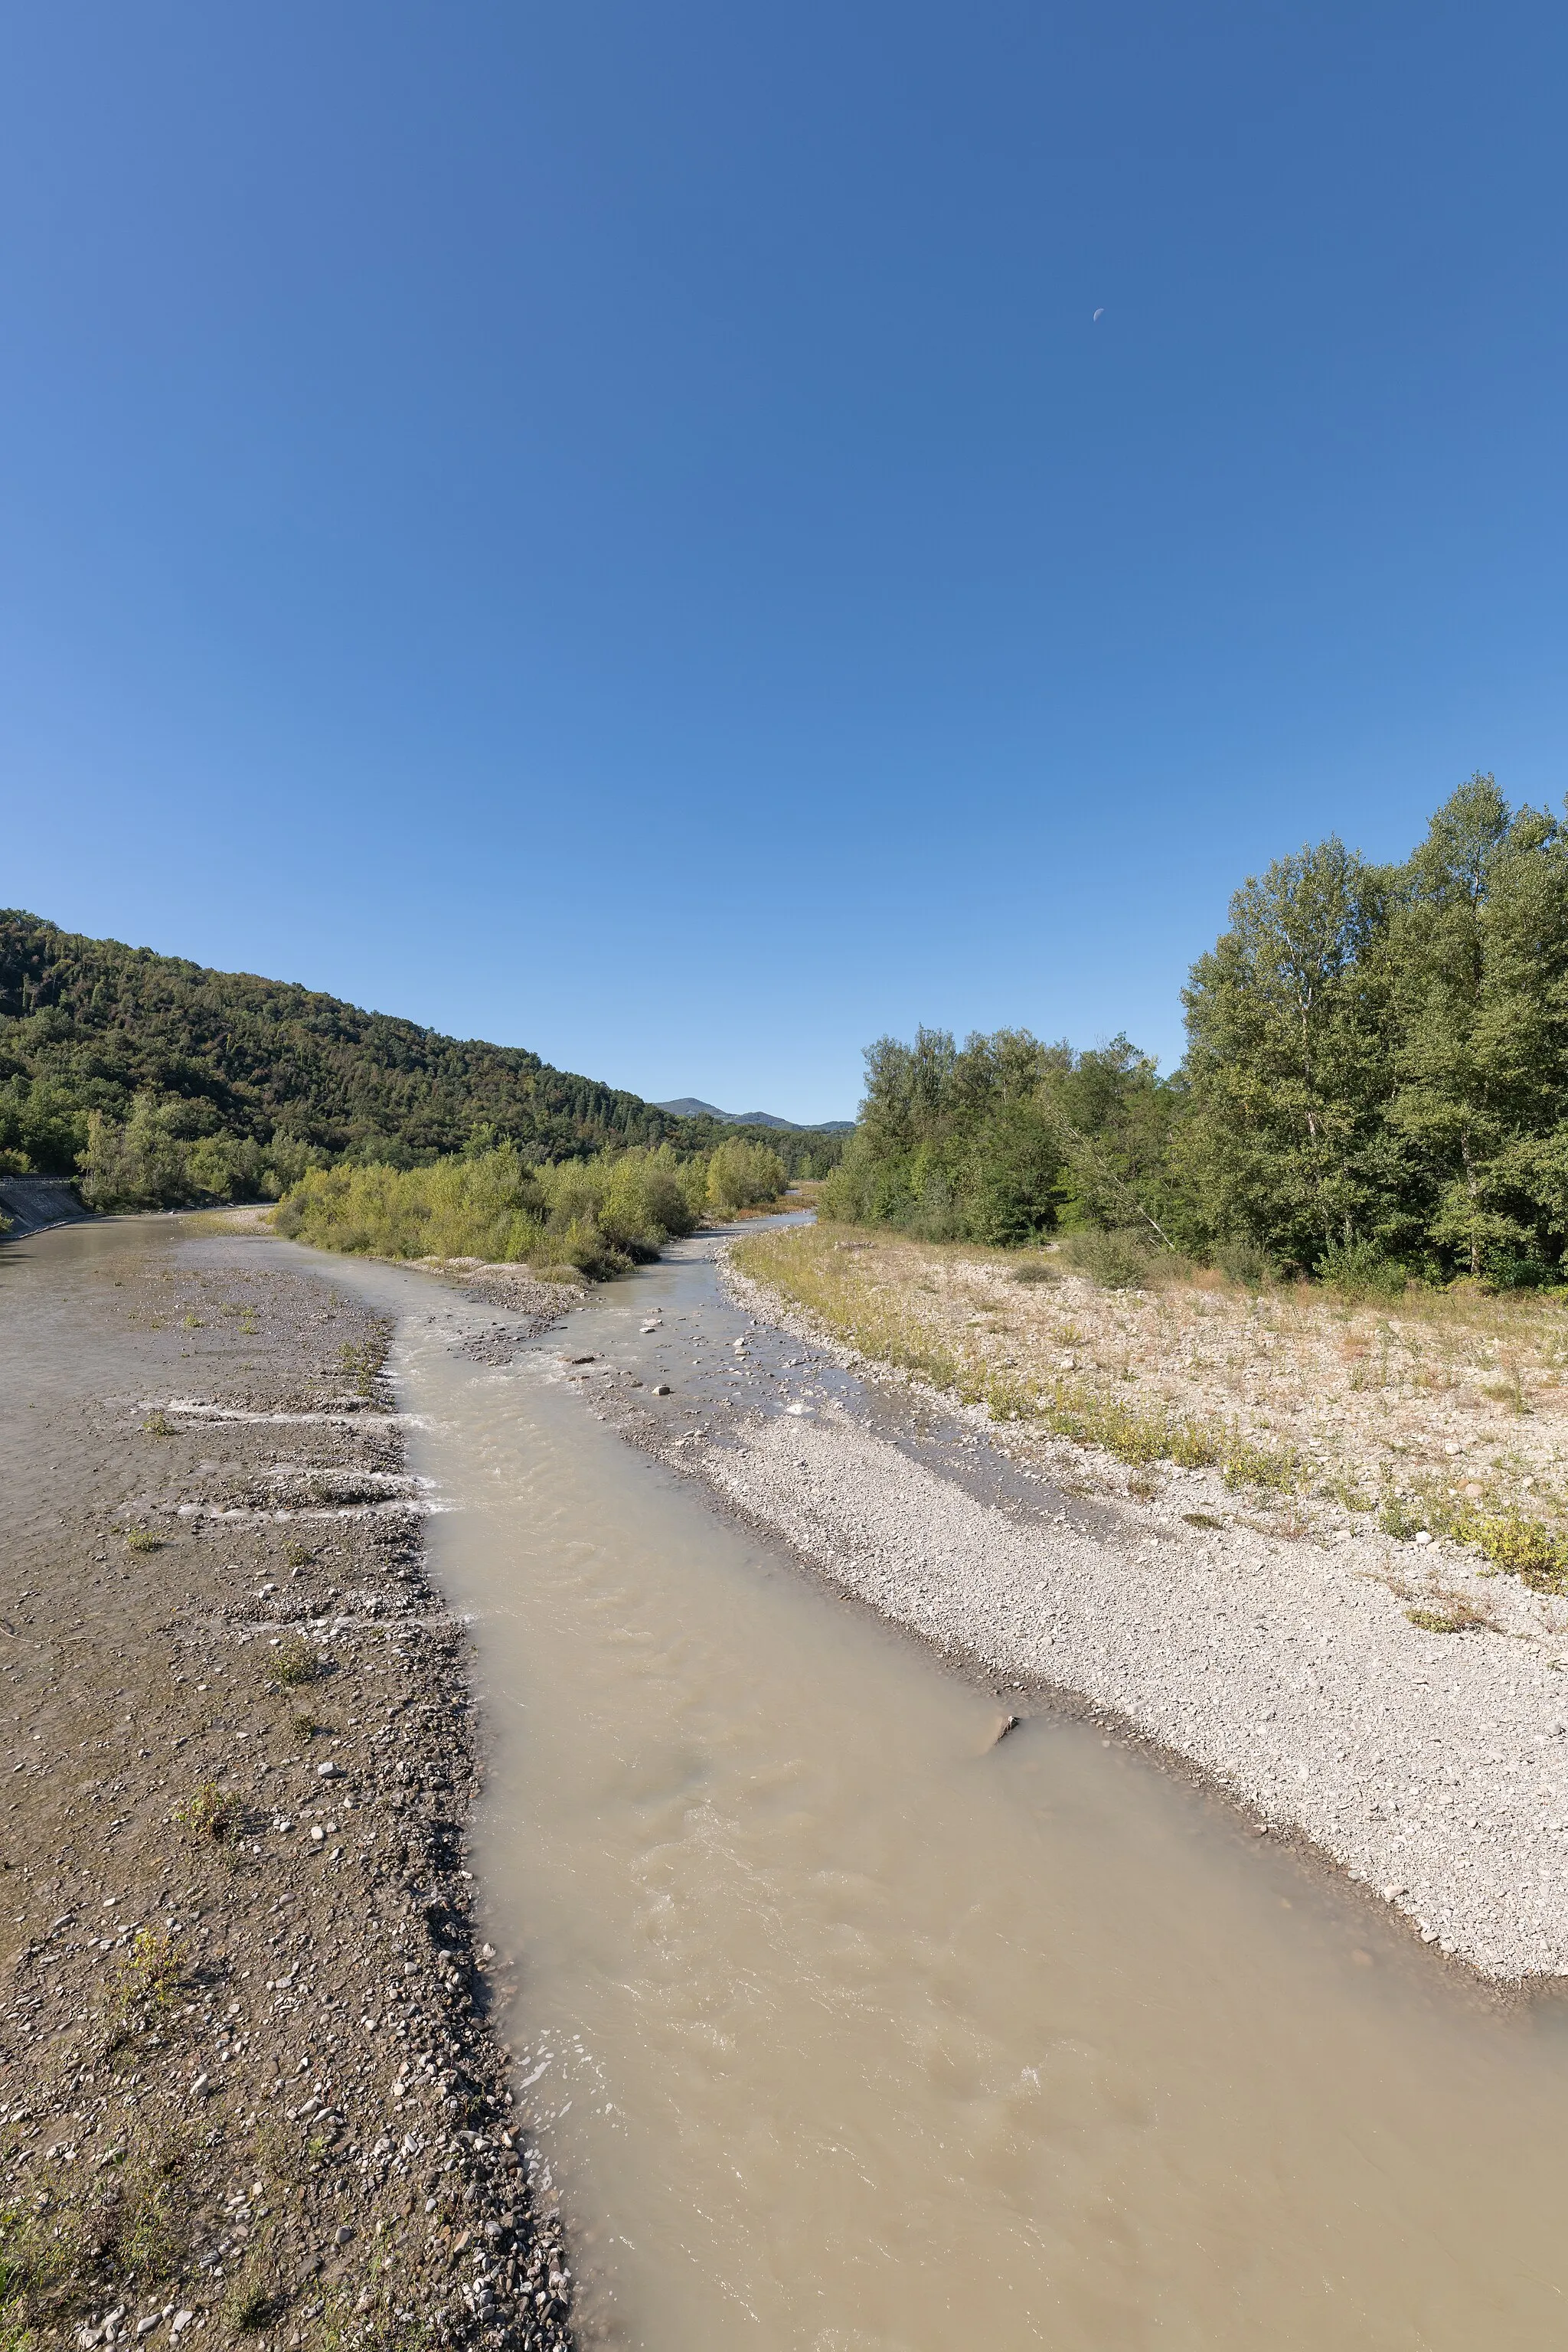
[843, 2027]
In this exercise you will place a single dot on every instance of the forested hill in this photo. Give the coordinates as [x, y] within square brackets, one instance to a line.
[90, 1025]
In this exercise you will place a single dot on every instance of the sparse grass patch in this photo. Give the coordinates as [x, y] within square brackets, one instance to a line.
[1262, 1465]
[1202, 1519]
[211, 1813]
[142, 1539]
[298, 1662]
[361, 1360]
[158, 1424]
[1455, 1613]
[303, 1728]
[298, 1554]
[1519, 1546]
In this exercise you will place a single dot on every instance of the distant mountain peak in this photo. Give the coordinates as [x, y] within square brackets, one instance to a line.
[688, 1107]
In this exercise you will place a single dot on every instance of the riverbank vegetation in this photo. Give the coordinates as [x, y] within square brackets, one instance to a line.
[597, 1216]
[1439, 1412]
[156, 1083]
[1375, 1089]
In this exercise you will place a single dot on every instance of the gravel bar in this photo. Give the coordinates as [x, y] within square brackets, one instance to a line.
[1431, 1768]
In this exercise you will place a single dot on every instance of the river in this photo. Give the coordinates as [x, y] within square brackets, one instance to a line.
[844, 2026]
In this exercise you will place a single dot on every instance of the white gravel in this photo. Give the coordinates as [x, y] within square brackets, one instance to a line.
[1434, 1767]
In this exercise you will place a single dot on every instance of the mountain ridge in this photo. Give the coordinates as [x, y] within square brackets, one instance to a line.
[692, 1106]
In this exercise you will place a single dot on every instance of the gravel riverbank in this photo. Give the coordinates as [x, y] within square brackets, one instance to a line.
[251, 2088]
[1431, 1768]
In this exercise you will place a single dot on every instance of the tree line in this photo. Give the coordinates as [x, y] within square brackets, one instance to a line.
[1375, 1082]
[157, 1082]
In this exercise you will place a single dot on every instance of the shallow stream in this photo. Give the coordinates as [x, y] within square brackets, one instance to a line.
[845, 2027]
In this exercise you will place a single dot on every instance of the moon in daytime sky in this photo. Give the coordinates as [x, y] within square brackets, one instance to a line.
[1100, 313]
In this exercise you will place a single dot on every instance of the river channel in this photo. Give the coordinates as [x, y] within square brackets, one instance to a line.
[842, 2026]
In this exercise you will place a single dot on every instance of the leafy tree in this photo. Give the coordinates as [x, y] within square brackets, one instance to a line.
[1290, 1059]
[1477, 972]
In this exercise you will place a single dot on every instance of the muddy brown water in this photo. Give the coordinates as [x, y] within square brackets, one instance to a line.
[842, 2028]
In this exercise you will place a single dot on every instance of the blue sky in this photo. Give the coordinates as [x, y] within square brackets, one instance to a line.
[616, 530]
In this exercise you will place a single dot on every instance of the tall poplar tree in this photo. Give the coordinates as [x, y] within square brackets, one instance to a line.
[1475, 963]
[1288, 1066]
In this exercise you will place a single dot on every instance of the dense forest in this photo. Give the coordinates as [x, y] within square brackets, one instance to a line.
[1376, 1082]
[157, 1082]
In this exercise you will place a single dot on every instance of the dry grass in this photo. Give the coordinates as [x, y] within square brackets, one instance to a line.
[1448, 1409]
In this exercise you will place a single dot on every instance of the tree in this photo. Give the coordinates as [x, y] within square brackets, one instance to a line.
[1476, 973]
[1289, 1063]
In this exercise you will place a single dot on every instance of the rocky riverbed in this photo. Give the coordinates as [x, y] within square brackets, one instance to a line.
[250, 2086]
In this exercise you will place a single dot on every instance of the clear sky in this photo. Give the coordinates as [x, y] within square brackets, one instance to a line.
[616, 528]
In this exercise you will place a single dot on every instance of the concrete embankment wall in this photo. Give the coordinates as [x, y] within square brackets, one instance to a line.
[33, 1202]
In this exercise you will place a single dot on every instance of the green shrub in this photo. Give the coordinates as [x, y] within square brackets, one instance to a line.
[1116, 1261]
[743, 1175]
[1261, 1466]
[1244, 1262]
[1361, 1270]
[597, 1216]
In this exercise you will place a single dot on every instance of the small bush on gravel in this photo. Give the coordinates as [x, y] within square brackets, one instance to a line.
[1259, 1466]
[210, 1813]
[1116, 1261]
[298, 1662]
[1244, 1263]
[253, 2304]
[1360, 1270]
[1520, 1547]
[298, 1554]
[142, 1540]
[158, 1424]
[150, 1970]
[1037, 1270]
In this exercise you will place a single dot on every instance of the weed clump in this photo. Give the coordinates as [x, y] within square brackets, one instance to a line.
[211, 1813]
[1037, 1270]
[158, 1424]
[1260, 1466]
[142, 1539]
[299, 1662]
[1519, 1546]
[1457, 1615]
[150, 1972]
